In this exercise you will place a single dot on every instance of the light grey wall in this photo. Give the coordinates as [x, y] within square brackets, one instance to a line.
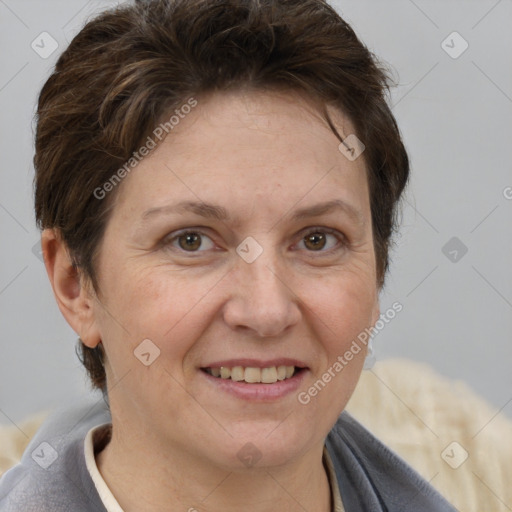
[455, 114]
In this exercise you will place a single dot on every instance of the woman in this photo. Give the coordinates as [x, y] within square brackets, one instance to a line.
[217, 182]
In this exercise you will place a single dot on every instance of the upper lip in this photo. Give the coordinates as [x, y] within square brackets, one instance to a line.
[256, 363]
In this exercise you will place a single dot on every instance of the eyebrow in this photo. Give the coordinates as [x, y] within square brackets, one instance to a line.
[327, 207]
[207, 210]
[212, 211]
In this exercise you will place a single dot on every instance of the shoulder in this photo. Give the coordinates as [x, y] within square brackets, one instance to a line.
[372, 477]
[52, 475]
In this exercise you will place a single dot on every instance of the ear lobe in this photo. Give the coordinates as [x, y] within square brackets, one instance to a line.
[74, 299]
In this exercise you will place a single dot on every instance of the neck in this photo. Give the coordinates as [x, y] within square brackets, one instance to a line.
[143, 476]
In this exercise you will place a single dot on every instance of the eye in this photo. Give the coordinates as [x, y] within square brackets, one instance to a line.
[318, 239]
[190, 241]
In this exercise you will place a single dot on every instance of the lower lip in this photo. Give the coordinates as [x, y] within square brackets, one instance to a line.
[258, 392]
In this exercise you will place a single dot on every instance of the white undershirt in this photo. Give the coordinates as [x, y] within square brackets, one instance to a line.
[107, 498]
[111, 504]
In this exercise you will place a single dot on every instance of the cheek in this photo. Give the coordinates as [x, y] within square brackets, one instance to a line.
[167, 307]
[169, 311]
[344, 305]
[342, 312]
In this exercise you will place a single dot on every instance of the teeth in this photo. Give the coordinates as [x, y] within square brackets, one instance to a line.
[269, 375]
[253, 375]
[237, 373]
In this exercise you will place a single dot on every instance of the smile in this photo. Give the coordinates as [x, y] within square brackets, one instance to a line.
[253, 375]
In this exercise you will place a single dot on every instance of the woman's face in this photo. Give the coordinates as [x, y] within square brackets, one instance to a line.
[268, 276]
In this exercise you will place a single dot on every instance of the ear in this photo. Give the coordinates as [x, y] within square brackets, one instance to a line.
[74, 296]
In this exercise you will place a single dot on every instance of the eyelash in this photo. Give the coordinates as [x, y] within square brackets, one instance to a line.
[342, 241]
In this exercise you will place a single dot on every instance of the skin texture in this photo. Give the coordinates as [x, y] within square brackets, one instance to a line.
[176, 437]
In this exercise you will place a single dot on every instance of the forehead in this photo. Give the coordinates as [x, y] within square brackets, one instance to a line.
[272, 147]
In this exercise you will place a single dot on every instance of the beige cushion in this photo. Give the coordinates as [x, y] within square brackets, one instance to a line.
[432, 422]
[14, 439]
[419, 414]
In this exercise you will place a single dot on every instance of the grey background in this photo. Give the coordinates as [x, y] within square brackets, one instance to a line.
[455, 115]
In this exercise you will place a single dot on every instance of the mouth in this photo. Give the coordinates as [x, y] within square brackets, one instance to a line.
[254, 375]
[256, 380]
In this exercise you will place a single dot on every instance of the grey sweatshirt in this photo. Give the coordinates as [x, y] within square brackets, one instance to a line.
[52, 475]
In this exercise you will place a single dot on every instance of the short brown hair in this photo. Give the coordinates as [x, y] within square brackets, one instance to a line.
[130, 65]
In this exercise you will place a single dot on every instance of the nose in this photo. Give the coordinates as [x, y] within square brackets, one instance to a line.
[262, 300]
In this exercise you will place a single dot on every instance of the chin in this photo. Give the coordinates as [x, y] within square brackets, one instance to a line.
[262, 445]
